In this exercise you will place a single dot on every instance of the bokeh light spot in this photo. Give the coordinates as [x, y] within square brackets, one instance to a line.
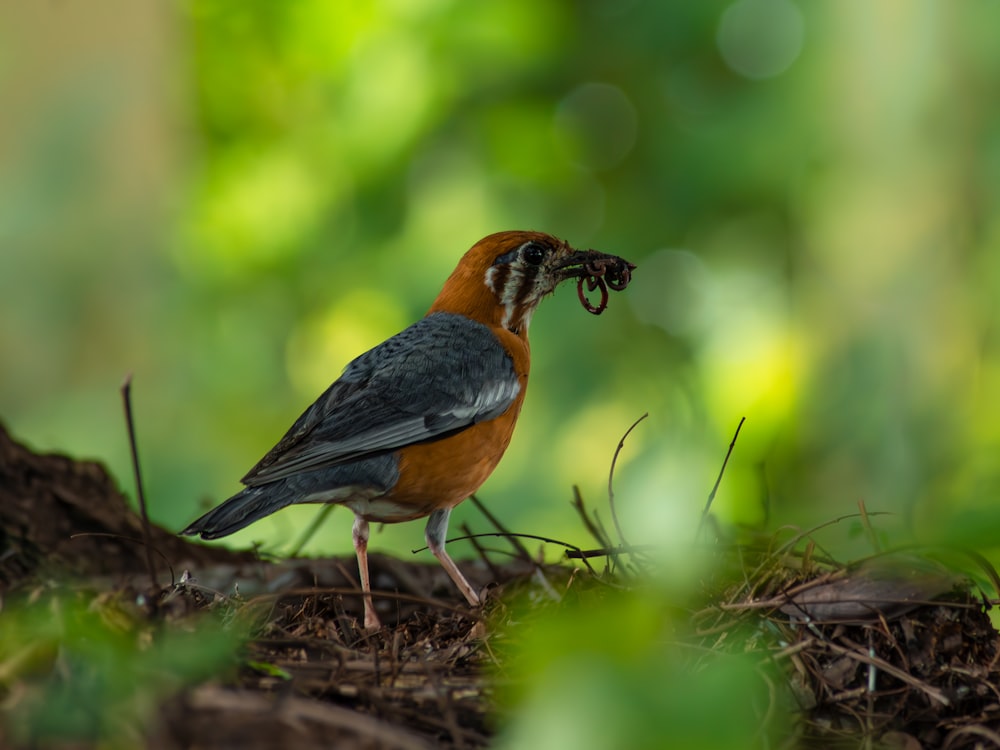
[256, 211]
[322, 346]
[760, 38]
[596, 126]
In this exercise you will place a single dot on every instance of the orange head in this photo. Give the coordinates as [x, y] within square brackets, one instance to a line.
[501, 280]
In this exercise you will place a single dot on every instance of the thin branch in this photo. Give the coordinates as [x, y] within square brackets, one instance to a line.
[611, 476]
[860, 654]
[608, 551]
[800, 534]
[313, 527]
[511, 536]
[126, 391]
[718, 479]
[595, 531]
[494, 570]
[869, 529]
[522, 551]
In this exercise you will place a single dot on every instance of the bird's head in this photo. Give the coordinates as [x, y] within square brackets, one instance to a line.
[501, 280]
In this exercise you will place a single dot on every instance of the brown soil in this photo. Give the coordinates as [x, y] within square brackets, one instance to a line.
[309, 676]
[894, 650]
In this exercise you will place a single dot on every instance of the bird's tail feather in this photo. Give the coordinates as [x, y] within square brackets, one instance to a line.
[239, 511]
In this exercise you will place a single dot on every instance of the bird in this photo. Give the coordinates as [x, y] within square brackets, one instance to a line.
[417, 424]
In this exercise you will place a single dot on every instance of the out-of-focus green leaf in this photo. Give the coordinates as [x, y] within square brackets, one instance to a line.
[90, 671]
[616, 674]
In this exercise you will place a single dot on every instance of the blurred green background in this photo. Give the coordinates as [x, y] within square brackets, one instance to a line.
[231, 200]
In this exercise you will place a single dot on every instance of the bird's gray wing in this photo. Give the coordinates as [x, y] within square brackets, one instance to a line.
[437, 377]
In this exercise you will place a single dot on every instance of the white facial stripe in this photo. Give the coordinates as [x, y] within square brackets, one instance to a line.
[507, 282]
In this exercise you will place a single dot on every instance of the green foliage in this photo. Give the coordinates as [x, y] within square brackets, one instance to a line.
[616, 675]
[233, 199]
[93, 670]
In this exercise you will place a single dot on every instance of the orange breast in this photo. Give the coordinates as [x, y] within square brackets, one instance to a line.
[443, 473]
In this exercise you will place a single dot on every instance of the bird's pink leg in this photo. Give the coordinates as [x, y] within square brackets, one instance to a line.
[435, 534]
[360, 536]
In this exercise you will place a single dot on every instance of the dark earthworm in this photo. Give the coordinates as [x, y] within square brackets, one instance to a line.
[592, 284]
[603, 273]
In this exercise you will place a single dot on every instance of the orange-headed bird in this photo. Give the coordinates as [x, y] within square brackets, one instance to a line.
[414, 426]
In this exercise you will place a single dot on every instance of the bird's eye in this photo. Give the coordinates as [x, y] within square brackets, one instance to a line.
[533, 253]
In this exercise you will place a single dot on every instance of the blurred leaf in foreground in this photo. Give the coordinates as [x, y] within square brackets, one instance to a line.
[73, 669]
[616, 675]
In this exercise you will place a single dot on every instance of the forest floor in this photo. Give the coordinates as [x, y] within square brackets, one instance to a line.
[102, 645]
[300, 671]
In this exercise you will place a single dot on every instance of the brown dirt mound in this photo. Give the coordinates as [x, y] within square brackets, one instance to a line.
[897, 649]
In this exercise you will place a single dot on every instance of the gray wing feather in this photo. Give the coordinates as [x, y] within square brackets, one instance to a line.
[437, 377]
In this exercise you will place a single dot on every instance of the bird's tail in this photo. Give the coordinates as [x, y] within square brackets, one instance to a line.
[241, 510]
